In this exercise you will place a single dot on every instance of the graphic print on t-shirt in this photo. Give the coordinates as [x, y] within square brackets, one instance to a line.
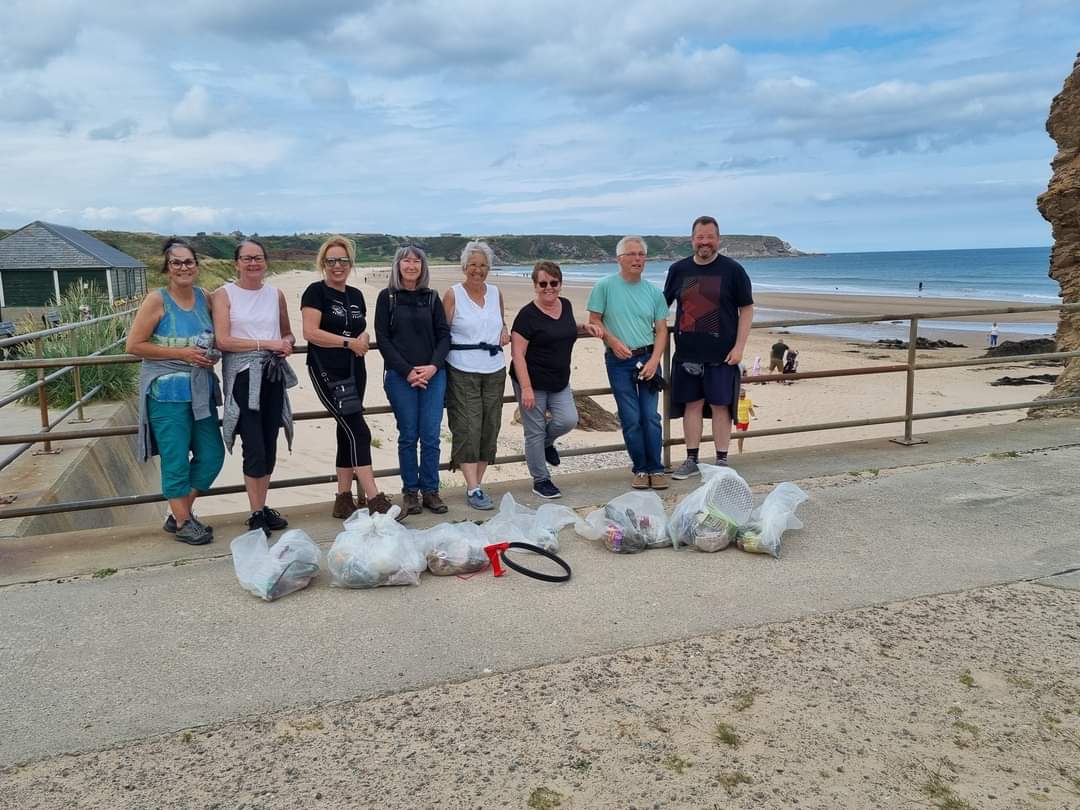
[699, 297]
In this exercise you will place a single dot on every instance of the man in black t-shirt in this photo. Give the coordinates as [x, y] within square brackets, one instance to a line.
[715, 307]
[776, 356]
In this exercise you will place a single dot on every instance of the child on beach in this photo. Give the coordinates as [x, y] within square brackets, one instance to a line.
[791, 364]
[993, 336]
[756, 370]
[742, 416]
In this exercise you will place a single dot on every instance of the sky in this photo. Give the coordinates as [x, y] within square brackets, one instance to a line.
[837, 125]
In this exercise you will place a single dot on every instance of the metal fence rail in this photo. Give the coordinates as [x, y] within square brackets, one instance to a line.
[907, 418]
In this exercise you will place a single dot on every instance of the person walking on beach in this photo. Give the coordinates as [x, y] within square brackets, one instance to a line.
[993, 336]
[476, 370]
[173, 333]
[791, 364]
[541, 344]
[756, 370]
[335, 328]
[414, 338]
[715, 307]
[776, 356]
[633, 315]
[251, 325]
[744, 414]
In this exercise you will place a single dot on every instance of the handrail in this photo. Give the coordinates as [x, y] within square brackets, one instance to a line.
[907, 418]
[59, 330]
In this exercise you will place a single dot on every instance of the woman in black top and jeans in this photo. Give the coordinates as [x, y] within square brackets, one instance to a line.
[541, 342]
[414, 338]
[335, 320]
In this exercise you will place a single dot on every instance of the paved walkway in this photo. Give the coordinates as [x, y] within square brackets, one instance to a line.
[171, 642]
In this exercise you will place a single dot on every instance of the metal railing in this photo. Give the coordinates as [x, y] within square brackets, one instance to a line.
[71, 366]
[907, 418]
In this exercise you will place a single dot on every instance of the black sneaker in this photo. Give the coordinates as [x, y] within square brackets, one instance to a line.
[546, 489]
[273, 520]
[257, 521]
[552, 455]
[170, 525]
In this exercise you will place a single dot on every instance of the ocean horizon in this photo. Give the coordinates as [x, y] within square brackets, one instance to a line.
[996, 274]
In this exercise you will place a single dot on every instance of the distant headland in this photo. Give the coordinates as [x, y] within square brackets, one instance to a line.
[509, 248]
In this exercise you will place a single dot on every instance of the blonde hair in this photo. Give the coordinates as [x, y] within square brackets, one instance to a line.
[335, 241]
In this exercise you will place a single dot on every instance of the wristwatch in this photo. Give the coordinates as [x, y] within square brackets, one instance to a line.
[345, 343]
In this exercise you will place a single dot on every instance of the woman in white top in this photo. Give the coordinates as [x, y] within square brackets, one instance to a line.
[476, 370]
[251, 323]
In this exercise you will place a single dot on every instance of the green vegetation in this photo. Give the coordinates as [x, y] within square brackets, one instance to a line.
[101, 573]
[941, 794]
[729, 780]
[544, 798]
[968, 680]
[724, 734]
[676, 764]
[745, 699]
[118, 381]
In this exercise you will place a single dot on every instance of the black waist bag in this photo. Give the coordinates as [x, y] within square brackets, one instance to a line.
[343, 393]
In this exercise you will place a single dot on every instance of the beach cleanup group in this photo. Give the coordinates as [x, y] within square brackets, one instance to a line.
[439, 351]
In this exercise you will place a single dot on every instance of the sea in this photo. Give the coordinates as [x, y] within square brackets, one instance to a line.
[995, 274]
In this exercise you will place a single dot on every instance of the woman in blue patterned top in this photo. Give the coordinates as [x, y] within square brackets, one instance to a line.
[173, 332]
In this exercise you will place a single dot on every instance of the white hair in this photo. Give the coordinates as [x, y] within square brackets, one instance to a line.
[620, 248]
[477, 246]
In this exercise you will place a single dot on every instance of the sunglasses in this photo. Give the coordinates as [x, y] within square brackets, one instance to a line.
[543, 285]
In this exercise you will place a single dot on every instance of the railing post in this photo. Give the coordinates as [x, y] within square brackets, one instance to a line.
[665, 365]
[909, 395]
[77, 372]
[43, 401]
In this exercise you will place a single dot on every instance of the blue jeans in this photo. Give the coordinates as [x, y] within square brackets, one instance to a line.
[419, 416]
[637, 411]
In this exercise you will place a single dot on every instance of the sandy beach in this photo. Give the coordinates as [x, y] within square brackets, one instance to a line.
[777, 405]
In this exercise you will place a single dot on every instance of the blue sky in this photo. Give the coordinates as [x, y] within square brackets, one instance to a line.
[835, 124]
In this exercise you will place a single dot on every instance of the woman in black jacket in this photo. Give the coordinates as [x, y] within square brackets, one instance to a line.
[414, 338]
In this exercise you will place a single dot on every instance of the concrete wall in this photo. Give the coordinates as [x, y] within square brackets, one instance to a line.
[96, 468]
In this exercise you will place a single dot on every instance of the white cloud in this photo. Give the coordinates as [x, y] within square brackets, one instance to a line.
[193, 117]
[185, 216]
[34, 31]
[116, 131]
[25, 104]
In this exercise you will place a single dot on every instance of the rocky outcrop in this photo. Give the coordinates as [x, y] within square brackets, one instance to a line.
[1060, 206]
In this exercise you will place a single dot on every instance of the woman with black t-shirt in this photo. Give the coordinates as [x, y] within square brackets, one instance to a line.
[335, 320]
[541, 343]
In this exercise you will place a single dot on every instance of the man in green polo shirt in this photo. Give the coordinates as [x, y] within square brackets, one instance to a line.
[633, 314]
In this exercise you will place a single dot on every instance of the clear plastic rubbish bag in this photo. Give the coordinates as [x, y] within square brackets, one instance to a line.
[454, 548]
[770, 520]
[632, 522]
[271, 572]
[517, 523]
[709, 517]
[375, 550]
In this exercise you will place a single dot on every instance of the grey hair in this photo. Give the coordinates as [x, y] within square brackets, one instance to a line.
[621, 247]
[394, 282]
[476, 246]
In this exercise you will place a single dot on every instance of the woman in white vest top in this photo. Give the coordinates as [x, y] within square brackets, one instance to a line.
[251, 323]
[476, 370]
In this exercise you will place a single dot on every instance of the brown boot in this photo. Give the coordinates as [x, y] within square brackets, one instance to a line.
[410, 502]
[380, 504]
[433, 503]
[344, 505]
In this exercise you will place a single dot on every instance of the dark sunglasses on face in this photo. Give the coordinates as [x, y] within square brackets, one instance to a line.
[543, 285]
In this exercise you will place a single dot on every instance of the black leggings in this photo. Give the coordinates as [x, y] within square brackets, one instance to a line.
[353, 435]
[259, 429]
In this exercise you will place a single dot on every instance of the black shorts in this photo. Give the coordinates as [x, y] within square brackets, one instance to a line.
[718, 385]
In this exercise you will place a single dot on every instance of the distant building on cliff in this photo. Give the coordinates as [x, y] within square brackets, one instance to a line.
[41, 260]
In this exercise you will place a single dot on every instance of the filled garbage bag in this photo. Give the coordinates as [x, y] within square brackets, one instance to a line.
[520, 524]
[454, 548]
[632, 522]
[709, 517]
[770, 520]
[270, 572]
[375, 550]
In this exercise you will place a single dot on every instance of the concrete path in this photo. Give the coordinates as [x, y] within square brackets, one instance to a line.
[161, 645]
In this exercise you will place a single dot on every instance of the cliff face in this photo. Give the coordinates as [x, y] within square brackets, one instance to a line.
[1060, 206]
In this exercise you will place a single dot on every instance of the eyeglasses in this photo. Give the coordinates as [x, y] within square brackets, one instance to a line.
[176, 264]
[344, 261]
[543, 285]
[252, 259]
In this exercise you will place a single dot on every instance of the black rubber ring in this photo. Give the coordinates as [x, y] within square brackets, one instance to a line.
[555, 558]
